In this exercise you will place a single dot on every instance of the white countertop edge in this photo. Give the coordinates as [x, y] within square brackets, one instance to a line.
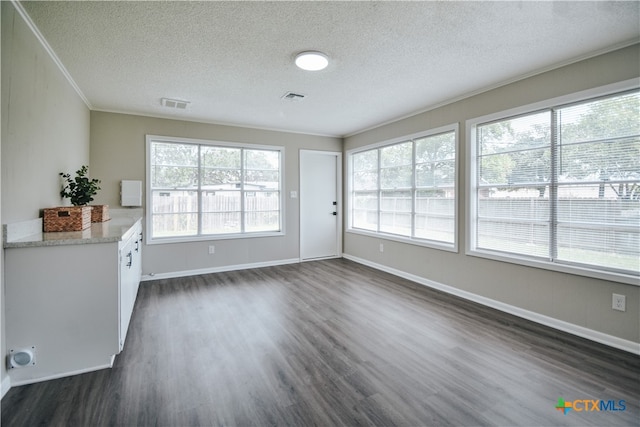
[28, 234]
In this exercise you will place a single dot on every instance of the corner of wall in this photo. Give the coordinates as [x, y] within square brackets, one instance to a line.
[4, 377]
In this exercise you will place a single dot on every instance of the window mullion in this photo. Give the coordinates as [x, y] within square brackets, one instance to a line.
[553, 187]
[379, 190]
[477, 182]
[413, 188]
[242, 194]
[200, 190]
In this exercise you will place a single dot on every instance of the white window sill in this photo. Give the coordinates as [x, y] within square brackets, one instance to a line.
[212, 237]
[628, 279]
[449, 247]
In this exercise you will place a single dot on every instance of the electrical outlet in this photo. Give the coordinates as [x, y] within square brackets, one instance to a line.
[212, 249]
[619, 302]
[381, 247]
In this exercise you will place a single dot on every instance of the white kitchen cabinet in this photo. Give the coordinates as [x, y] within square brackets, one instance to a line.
[71, 296]
[130, 252]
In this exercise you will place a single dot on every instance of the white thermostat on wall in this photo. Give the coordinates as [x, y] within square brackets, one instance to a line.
[131, 193]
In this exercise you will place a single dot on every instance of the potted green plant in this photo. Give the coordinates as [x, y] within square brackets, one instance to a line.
[80, 191]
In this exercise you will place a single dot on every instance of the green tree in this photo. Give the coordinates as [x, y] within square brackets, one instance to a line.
[436, 161]
[601, 141]
[220, 166]
[261, 168]
[496, 140]
[174, 165]
[532, 164]
[396, 169]
[597, 141]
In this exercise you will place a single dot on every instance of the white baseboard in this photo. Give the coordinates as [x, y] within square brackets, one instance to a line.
[600, 337]
[6, 385]
[321, 258]
[185, 273]
[60, 375]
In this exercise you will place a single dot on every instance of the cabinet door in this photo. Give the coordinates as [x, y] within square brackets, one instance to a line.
[137, 260]
[127, 285]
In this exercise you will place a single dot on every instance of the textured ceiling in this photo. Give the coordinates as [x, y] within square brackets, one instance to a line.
[234, 60]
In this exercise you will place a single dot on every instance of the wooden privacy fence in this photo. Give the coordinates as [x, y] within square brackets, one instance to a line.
[221, 212]
[589, 223]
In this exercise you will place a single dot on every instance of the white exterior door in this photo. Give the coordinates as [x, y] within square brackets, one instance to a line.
[320, 204]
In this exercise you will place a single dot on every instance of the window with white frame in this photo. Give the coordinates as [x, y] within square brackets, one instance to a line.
[561, 185]
[406, 190]
[202, 189]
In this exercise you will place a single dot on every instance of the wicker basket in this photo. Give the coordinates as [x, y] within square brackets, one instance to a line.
[100, 213]
[68, 218]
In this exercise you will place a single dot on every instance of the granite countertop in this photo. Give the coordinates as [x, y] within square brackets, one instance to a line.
[29, 233]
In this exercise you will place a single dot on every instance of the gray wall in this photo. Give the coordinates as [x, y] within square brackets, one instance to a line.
[47, 124]
[118, 152]
[45, 127]
[575, 299]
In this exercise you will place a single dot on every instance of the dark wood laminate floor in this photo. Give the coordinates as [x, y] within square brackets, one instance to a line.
[331, 343]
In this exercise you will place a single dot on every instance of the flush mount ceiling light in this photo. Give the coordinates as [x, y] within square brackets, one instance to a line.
[312, 60]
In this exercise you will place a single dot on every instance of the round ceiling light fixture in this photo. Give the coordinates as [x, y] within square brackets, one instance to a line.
[312, 60]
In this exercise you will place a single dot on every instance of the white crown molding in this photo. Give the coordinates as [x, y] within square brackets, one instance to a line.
[27, 19]
[580, 331]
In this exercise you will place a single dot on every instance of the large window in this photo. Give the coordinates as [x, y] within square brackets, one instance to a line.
[406, 190]
[198, 189]
[561, 185]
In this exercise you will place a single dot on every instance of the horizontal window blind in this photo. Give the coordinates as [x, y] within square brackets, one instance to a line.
[563, 184]
[598, 203]
[406, 189]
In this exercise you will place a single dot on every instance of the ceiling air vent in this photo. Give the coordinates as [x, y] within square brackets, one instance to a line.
[290, 96]
[174, 103]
